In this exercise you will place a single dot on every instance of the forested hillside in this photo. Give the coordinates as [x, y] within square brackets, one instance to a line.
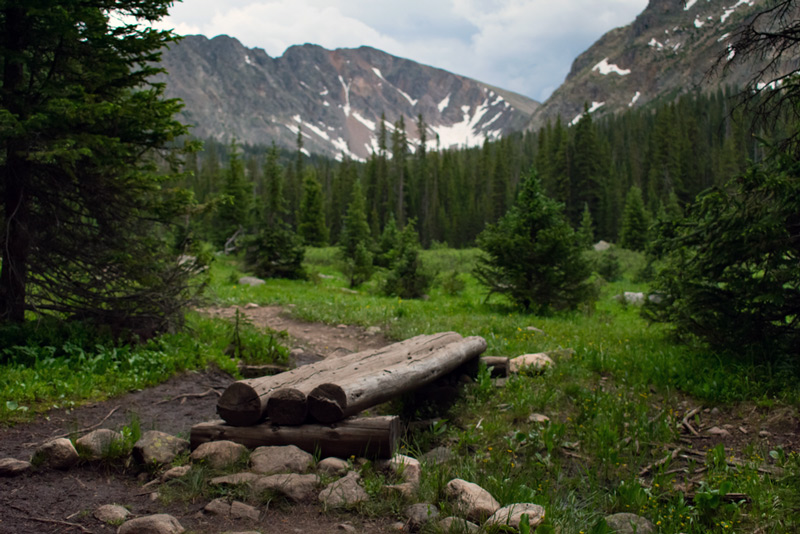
[670, 152]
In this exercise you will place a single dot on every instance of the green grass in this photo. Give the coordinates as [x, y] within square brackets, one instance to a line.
[615, 406]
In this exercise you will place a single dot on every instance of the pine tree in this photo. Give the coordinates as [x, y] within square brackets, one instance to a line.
[312, 226]
[275, 202]
[532, 254]
[84, 210]
[586, 229]
[235, 213]
[407, 278]
[635, 221]
[355, 242]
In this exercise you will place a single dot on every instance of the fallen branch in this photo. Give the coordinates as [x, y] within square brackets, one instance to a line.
[51, 521]
[689, 415]
[88, 428]
[661, 462]
[191, 396]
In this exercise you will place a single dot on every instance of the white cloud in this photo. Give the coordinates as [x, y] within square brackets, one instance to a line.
[523, 45]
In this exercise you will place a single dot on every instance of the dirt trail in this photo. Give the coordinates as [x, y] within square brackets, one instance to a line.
[41, 502]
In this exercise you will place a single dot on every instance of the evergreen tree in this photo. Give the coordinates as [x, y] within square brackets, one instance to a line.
[586, 229]
[275, 202]
[356, 239]
[635, 221]
[235, 213]
[406, 278]
[532, 254]
[83, 206]
[312, 226]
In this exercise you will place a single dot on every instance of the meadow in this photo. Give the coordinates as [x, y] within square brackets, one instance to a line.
[616, 440]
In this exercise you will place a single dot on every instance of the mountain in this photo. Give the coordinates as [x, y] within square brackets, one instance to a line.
[336, 97]
[669, 49]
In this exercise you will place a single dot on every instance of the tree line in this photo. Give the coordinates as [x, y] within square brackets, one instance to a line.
[608, 171]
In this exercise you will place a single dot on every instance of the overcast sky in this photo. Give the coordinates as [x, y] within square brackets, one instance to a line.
[523, 45]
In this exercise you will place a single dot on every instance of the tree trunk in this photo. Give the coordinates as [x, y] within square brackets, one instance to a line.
[333, 401]
[15, 172]
[369, 437]
[282, 397]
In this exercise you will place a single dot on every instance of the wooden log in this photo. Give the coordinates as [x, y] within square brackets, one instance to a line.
[498, 364]
[247, 402]
[333, 401]
[370, 437]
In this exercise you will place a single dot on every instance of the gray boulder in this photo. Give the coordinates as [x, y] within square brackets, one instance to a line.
[280, 459]
[296, 487]
[333, 466]
[97, 444]
[625, 523]
[152, 524]
[471, 500]
[344, 492]
[11, 467]
[57, 454]
[158, 447]
[420, 514]
[512, 515]
[219, 454]
[111, 513]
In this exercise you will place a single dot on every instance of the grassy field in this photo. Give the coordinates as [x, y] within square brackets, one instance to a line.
[615, 407]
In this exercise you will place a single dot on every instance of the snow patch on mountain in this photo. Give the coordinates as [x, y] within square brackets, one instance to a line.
[444, 103]
[605, 68]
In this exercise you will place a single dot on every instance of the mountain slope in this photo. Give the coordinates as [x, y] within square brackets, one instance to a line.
[335, 97]
[670, 48]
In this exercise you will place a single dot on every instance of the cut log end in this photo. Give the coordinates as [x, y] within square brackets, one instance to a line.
[240, 405]
[287, 406]
[326, 403]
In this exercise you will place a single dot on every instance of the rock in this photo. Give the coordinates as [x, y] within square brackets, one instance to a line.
[219, 507]
[280, 459]
[97, 444]
[176, 472]
[630, 297]
[11, 467]
[158, 447]
[57, 454]
[419, 515]
[458, 524]
[111, 514]
[530, 362]
[251, 281]
[655, 298]
[472, 500]
[535, 330]
[538, 418]
[333, 466]
[512, 515]
[296, 487]
[347, 527]
[406, 490]
[374, 330]
[240, 510]
[219, 454]
[234, 480]
[251, 306]
[152, 524]
[398, 525]
[765, 433]
[406, 467]
[717, 431]
[625, 523]
[601, 246]
[439, 455]
[344, 492]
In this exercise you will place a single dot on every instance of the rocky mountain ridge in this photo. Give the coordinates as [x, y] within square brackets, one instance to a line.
[334, 97]
[672, 47]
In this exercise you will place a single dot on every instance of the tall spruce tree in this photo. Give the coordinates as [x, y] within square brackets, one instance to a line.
[312, 226]
[235, 213]
[355, 242]
[635, 221]
[81, 121]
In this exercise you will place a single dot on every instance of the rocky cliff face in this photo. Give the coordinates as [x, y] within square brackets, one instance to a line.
[670, 48]
[335, 98]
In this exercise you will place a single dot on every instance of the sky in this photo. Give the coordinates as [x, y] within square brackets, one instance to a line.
[525, 46]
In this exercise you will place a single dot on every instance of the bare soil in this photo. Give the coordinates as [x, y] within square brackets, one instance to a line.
[47, 501]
